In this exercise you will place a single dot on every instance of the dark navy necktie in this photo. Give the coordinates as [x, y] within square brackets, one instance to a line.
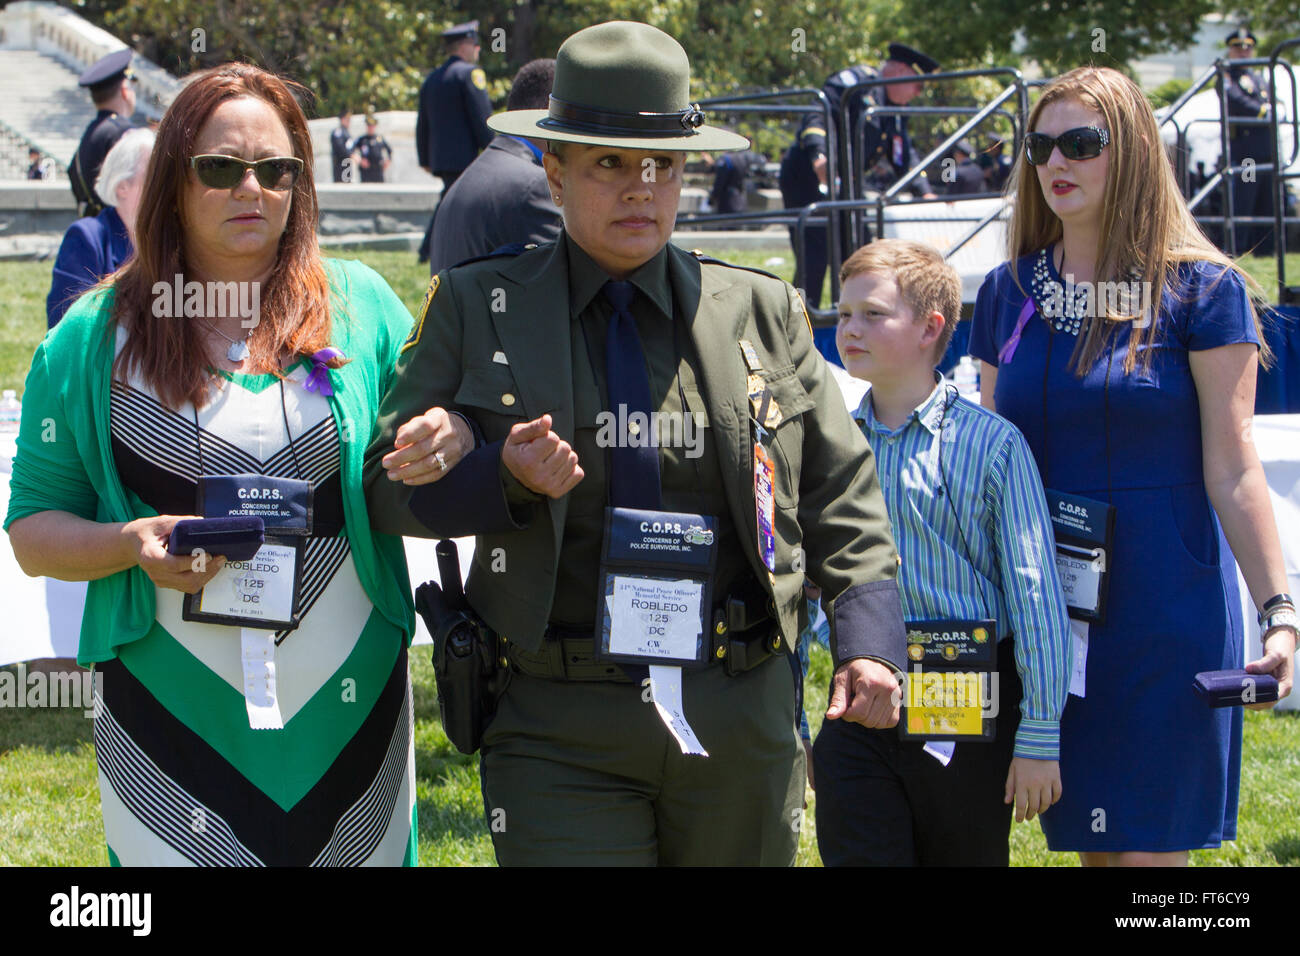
[634, 460]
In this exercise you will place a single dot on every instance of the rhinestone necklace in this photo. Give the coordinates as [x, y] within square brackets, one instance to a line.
[1070, 310]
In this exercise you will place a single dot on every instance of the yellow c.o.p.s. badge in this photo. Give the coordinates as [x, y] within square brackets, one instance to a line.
[479, 79]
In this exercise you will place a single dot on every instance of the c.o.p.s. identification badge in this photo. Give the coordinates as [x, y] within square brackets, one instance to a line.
[414, 338]
[951, 690]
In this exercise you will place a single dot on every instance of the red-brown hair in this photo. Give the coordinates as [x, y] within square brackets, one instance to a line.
[294, 306]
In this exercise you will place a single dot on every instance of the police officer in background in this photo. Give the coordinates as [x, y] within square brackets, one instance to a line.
[589, 526]
[731, 175]
[40, 167]
[966, 177]
[341, 147]
[995, 165]
[502, 197]
[372, 153]
[1248, 98]
[887, 153]
[451, 126]
[112, 89]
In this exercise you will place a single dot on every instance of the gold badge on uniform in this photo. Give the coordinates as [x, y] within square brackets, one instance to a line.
[479, 79]
[763, 406]
[414, 338]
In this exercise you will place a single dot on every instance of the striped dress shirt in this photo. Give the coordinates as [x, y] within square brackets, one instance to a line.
[1004, 568]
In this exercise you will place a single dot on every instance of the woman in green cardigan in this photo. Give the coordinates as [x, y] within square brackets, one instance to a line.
[258, 711]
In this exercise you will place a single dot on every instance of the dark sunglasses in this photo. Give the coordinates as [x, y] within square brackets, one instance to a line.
[227, 172]
[1083, 142]
[1248, 44]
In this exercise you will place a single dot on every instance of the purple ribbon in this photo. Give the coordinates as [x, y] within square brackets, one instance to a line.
[318, 379]
[1009, 346]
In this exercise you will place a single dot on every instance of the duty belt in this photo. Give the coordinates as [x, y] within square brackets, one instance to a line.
[744, 635]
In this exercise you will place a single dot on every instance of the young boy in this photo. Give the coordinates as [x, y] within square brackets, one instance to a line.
[976, 545]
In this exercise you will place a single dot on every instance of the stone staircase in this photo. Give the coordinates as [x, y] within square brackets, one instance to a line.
[40, 105]
[43, 49]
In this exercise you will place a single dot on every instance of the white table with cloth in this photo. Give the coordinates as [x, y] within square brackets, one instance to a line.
[42, 616]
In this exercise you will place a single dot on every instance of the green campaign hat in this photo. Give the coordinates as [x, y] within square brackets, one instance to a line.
[621, 84]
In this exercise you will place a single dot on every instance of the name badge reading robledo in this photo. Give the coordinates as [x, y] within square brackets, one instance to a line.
[262, 592]
[656, 589]
[951, 689]
[1085, 535]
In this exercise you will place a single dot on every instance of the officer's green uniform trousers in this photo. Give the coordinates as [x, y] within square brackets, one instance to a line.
[584, 772]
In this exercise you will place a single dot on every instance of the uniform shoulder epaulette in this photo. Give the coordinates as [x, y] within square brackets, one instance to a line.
[711, 260]
[513, 249]
[796, 299]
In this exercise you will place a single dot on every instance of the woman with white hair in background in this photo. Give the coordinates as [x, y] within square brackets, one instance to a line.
[95, 246]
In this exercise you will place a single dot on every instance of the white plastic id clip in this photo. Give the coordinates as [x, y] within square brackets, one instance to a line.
[257, 653]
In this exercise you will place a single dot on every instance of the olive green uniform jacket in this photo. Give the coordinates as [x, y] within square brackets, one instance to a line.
[830, 520]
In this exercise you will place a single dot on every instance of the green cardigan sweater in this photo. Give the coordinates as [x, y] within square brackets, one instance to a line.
[65, 458]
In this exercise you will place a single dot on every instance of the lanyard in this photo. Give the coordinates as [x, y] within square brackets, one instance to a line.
[950, 396]
[198, 440]
[1046, 459]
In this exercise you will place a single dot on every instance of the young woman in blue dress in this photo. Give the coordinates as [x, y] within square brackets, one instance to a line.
[1143, 402]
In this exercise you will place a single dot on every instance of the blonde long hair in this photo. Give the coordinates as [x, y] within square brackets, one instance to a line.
[1146, 227]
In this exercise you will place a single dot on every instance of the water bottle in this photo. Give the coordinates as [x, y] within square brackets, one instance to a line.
[966, 377]
[11, 411]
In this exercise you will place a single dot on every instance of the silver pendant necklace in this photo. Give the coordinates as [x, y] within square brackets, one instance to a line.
[238, 350]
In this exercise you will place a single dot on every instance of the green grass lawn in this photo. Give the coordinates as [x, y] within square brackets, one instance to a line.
[49, 801]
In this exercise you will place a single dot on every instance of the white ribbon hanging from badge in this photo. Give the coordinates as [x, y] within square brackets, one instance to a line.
[1078, 657]
[666, 692]
[657, 618]
[941, 750]
[257, 653]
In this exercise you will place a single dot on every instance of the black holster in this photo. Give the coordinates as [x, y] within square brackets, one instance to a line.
[745, 629]
[465, 666]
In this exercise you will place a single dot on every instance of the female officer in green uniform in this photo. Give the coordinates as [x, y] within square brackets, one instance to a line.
[642, 439]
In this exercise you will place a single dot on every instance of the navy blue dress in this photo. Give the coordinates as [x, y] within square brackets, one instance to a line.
[1145, 765]
[93, 247]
